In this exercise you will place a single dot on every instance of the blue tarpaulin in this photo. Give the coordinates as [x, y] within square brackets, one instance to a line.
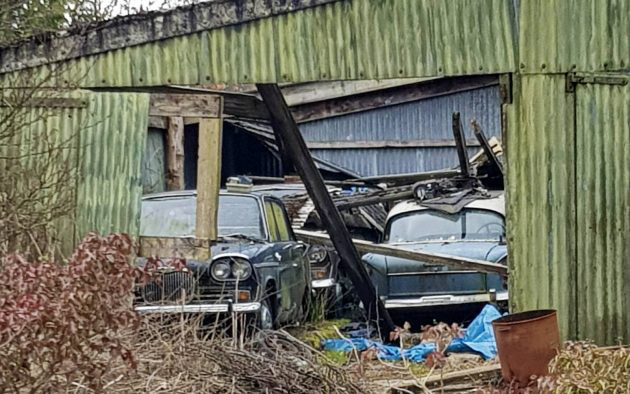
[479, 339]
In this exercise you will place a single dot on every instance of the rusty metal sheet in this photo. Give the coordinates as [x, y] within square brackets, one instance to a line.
[368, 39]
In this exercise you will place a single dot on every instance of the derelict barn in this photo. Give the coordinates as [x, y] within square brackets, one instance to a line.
[565, 98]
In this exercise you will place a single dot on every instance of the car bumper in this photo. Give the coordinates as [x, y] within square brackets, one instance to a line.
[241, 307]
[428, 301]
[323, 283]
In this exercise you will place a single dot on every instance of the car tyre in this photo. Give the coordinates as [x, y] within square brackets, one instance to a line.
[265, 316]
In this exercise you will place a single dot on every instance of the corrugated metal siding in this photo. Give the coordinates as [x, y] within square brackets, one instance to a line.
[574, 35]
[367, 39]
[36, 130]
[111, 145]
[423, 119]
[541, 199]
[603, 211]
[106, 138]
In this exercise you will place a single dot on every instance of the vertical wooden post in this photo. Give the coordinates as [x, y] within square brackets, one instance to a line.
[208, 177]
[175, 153]
[287, 131]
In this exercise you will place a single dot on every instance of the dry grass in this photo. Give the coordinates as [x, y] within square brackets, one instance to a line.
[582, 367]
[177, 356]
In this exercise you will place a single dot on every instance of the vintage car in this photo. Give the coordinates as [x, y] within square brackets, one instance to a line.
[477, 231]
[256, 267]
[323, 261]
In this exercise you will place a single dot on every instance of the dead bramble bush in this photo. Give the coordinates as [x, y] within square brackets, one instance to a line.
[63, 325]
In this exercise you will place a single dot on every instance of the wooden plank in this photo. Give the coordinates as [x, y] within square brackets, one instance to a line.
[460, 263]
[392, 96]
[175, 154]
[185, 105]
[158, 122]
[374, 198]
[47, 102]
[403, 179]
[487, 149]
[287, 131]
[208, 177]
[481, 374]
[460, 143]
[422, 143]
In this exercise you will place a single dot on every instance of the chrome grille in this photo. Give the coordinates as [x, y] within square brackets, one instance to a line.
[178, 286]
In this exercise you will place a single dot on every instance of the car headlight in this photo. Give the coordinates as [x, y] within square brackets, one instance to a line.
[241, 269]
[317, 255]
[221, 270]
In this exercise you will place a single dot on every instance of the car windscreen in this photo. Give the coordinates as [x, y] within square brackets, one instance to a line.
[429, 225]
[175, 217]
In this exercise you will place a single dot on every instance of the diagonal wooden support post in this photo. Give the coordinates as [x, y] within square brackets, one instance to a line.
[287, 130]
[460, 143]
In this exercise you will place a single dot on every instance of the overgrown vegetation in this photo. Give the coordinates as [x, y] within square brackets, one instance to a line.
[39, 170]
[582, 367]
[62, 324]
[71, 328]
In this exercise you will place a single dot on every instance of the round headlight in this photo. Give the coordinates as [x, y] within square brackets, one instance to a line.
[221, 270]
[317, 254]
[241, 269]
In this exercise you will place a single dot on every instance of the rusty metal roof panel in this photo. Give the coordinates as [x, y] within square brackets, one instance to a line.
[368, 39]
[578, 35]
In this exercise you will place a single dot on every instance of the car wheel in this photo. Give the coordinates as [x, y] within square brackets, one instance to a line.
[265, 316]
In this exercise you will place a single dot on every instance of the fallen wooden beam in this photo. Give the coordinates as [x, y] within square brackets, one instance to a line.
[478, 376]
[487, 148]
[293, 147]
[416, 255]
[402, 179]
[460, 143]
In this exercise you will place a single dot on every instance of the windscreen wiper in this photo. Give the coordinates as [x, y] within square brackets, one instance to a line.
[242, 236]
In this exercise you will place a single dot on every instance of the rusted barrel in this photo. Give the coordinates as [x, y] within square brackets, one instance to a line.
[526, 342]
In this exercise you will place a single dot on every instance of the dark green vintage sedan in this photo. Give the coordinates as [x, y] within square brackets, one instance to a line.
[257, 266]
[475, 231]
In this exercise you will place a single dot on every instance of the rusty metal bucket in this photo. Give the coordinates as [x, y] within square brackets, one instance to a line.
[526, 342]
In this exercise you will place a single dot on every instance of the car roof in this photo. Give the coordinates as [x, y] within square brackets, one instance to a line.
[495, 203]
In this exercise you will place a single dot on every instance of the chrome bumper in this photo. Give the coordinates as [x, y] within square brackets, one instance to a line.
[445, 300]
[199, 308]
[323, 283]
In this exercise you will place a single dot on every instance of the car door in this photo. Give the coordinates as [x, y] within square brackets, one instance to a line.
[292, 269]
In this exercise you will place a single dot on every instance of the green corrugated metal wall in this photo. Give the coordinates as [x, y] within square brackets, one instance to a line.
[574, 35]
[567, 195]
[603, 211]
[111, 146]
[357, 39]
[106, 139]
[541, 197]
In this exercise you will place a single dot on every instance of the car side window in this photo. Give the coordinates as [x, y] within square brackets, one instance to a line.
[271, 221]
[284, 227]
